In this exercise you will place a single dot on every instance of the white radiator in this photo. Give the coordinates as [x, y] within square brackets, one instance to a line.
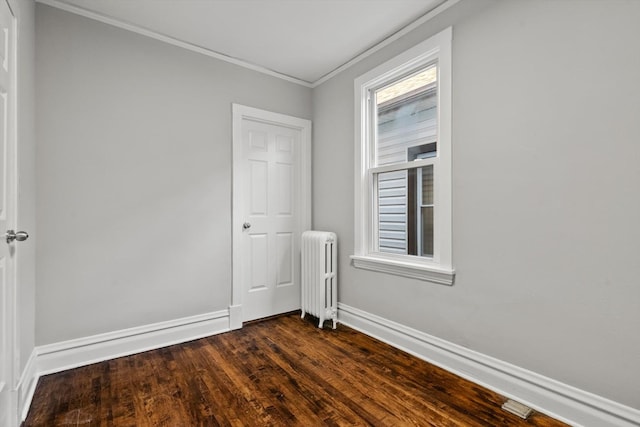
[320, 275]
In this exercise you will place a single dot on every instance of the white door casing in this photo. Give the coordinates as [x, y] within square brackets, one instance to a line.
[8, 202]
[271, 209]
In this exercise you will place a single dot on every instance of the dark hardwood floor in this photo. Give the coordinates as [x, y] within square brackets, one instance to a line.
[279, 372]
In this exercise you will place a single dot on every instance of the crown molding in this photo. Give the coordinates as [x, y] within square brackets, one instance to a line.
[58, 4]
[441, 7]
[168, 39]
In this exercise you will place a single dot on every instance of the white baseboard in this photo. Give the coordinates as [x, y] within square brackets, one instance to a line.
[561, 401]
[27, 385]
[84, 351]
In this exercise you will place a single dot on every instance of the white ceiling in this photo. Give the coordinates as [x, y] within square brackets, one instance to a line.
[302, 39]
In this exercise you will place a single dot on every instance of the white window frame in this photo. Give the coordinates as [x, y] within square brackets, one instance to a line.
[438, 269]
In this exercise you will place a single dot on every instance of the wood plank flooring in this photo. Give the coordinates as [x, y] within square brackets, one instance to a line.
[279, 372]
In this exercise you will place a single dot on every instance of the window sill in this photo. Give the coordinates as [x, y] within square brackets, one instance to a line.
[403, 268]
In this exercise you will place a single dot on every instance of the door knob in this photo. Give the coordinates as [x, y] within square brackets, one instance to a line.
[19, 236]
[246, 226]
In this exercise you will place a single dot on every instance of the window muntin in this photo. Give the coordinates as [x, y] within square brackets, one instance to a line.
[403, 195]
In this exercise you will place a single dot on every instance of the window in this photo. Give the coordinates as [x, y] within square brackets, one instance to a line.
[403, 164]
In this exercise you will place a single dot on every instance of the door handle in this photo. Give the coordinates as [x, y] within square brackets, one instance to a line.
[19, 236]
[246, 226]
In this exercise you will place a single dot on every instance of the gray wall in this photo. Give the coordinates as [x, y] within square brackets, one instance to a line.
[26, 251]
[134, 175]
[546, 182]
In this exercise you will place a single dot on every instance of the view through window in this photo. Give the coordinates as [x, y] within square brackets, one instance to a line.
[406, 131]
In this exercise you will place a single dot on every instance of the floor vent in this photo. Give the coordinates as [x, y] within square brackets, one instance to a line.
[517, 408]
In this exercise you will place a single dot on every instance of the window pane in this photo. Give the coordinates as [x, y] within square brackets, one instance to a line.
[392, 212]
[425, 207]
[427, 185]
[405, 211]
[407, 118]
[427, 231]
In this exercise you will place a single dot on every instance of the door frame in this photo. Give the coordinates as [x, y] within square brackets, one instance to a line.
[11, 358]
[239, 114]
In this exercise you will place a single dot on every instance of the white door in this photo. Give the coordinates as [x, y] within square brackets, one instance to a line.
[271, 202]
[8, 415]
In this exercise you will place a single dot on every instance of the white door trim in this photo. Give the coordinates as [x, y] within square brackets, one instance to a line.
[10, 360]
[239, 113]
